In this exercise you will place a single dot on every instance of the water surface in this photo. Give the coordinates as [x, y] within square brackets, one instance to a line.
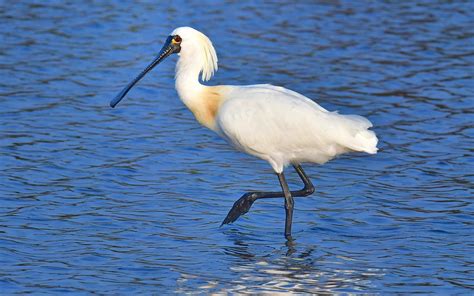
[129, 200]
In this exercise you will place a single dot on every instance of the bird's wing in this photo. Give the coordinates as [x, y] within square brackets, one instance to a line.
[270, 120]
[267, 119]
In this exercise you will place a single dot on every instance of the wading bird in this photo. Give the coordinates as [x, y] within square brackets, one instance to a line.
[273, 123]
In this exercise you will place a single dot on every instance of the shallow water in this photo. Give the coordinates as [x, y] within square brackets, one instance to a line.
[128, 200]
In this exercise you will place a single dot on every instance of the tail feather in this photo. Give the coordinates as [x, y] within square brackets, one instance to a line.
[357, 135]
[366, 141]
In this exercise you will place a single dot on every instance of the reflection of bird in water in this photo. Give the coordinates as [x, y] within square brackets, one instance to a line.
[273, 123]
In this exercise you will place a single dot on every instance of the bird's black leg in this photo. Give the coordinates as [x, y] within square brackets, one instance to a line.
[243, 204]
[289, 204]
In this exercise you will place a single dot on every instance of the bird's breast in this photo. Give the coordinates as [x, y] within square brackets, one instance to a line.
[205, 105]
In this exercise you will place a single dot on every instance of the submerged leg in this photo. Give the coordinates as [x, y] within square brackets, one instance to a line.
[243, 204]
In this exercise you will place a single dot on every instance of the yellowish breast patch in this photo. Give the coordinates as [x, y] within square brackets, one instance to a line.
[207, 106]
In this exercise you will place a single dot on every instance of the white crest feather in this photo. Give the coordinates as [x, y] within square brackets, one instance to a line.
[209, 58]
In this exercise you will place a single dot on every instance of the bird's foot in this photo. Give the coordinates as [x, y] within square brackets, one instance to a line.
[240, 207]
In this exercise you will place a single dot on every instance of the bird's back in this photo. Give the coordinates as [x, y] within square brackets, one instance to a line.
[281, 126]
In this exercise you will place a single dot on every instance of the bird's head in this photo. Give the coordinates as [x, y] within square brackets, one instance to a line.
[197, 49]
[190, 45]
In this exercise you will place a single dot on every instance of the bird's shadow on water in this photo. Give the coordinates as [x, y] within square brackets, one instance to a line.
[284, 261]
[294, 263]
[245, 242]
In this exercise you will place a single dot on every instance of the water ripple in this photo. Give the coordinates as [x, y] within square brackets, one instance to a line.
[130, 200]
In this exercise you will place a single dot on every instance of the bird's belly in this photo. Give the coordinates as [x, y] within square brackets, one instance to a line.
[281, 153]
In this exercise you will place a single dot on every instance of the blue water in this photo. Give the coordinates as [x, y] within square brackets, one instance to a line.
[129, 200]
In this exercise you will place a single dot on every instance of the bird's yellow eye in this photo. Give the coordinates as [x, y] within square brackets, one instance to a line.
[177, 39]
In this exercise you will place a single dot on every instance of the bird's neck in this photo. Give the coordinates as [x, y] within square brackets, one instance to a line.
[204, 101]
[187, 80]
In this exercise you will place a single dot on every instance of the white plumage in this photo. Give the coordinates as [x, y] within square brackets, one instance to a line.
[273, 123]
[282, 126]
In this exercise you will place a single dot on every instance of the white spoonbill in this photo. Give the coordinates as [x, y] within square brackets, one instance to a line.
[273, 123]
